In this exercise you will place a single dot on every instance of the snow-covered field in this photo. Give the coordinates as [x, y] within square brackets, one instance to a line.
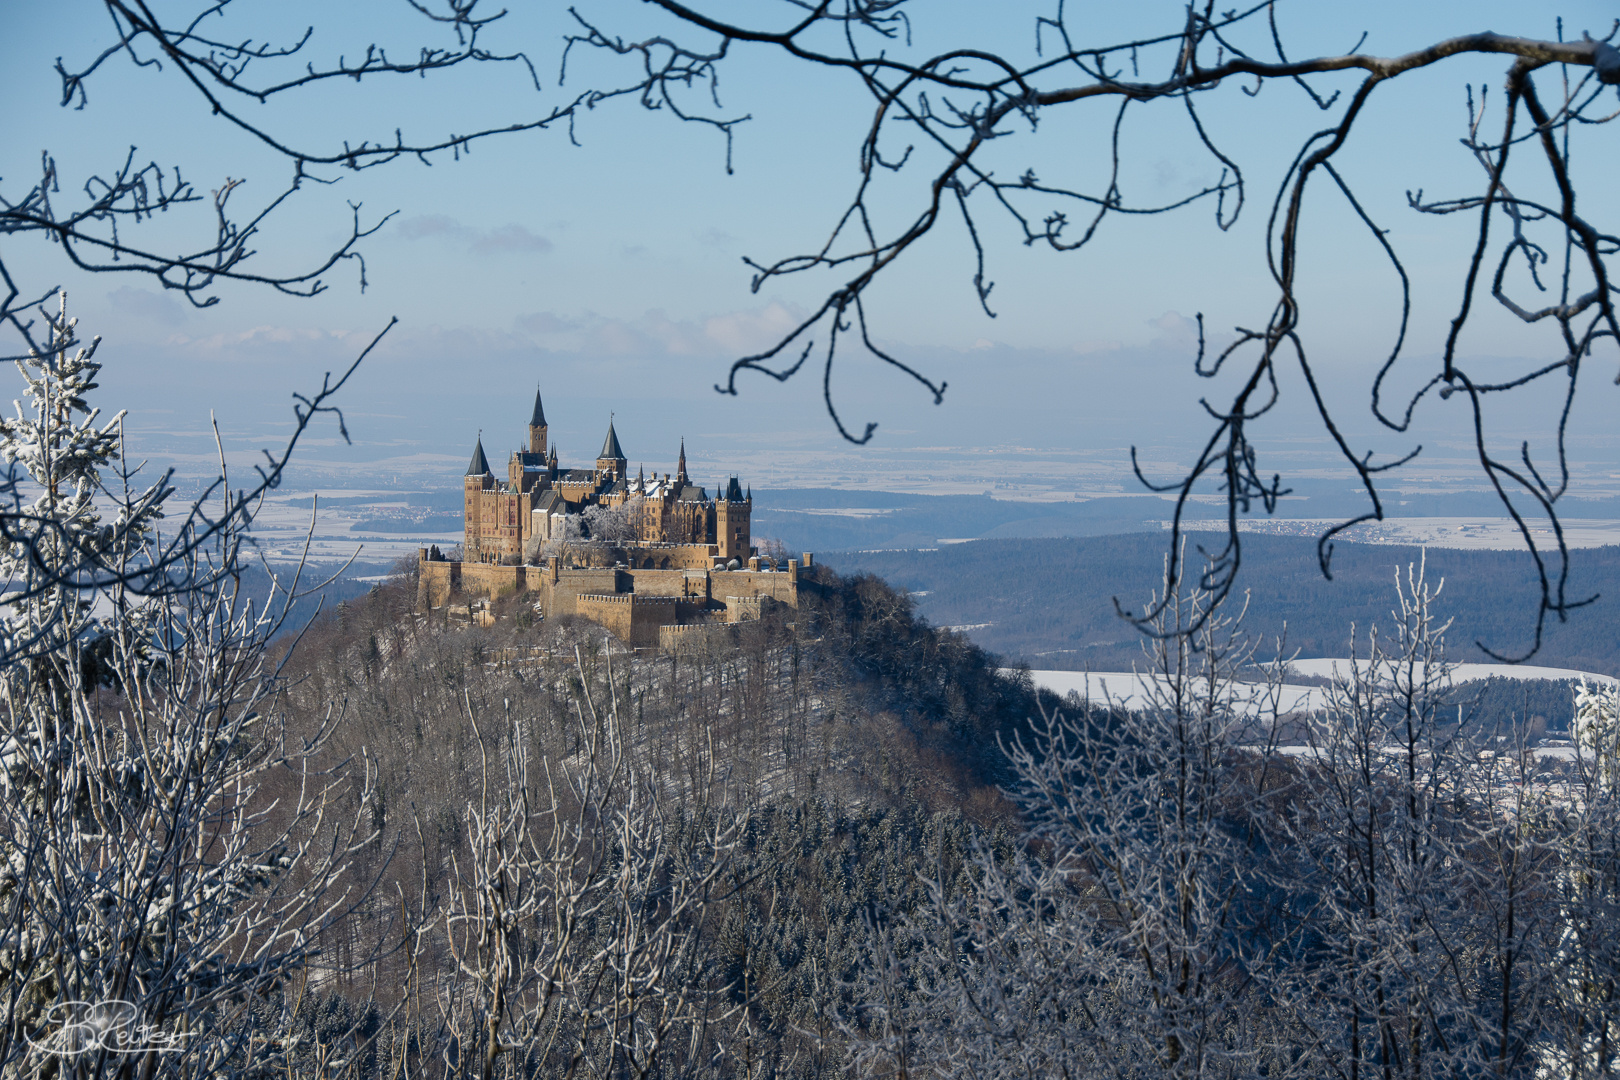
[1130, 690]
[1480, 533]
[281, 527]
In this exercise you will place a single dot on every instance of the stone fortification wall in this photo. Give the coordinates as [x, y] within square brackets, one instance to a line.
[669, 556]
[779, 585]
[630, 618]
[692, 635]
[748, 608]
[438, 579]
[637, 605]
[683, 583]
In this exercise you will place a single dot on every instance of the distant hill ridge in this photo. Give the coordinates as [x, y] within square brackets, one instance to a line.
[1050, 602]
[830, 519]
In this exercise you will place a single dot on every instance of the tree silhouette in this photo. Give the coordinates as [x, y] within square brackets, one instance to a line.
[938, 138]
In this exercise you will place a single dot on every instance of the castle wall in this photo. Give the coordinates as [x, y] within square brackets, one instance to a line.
[782, 586]
[560, 596]
[670, 556]
[613, 613]
[631, 618]
[433, 585]
[682, 583]
[691, 635]
[438, 579]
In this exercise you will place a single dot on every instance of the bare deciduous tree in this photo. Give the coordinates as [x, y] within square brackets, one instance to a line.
[951, 120]
[171, 850]
[1121, 940]
[65, 477]
[1406, 894]
[582, 920]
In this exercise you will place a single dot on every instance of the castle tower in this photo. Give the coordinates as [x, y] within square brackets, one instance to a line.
[732, 511]
[537, 427]
[611, 461]
[680, 466]
[477, 478]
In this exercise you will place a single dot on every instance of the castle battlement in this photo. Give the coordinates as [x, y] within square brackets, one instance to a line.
[629, 598]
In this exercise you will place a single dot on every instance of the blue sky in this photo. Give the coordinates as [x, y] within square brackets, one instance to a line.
[610, 272]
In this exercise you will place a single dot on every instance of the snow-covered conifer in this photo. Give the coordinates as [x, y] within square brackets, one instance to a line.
[67, 533]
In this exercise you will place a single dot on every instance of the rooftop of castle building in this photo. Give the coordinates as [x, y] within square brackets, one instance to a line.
[479, 465]
[610, 445]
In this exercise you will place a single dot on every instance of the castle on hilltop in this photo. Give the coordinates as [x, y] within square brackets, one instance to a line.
[649, 559]
[506, 520]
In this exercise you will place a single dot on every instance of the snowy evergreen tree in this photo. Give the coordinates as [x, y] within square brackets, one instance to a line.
[56, 547]
[155, 894]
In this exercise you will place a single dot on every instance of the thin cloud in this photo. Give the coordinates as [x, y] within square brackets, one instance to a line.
[655, 333]
[426, 225]
[510, 237]
[142, 304]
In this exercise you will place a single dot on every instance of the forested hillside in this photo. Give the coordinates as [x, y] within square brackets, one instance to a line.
[800, 839]
[854, 698]
[1050, 602]
[859, 745]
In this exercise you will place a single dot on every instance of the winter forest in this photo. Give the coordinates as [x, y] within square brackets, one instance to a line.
[246, 833]
[837, 841]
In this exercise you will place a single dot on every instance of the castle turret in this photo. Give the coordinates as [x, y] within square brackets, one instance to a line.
[611, 461]
[732, 511]
[537, 427]
[680, 466]
[477, 478]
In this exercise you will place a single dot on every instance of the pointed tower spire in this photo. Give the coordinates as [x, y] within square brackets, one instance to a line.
[611, 461]
[479, 465]
[610, 445]
[537, 427]
[680, 466]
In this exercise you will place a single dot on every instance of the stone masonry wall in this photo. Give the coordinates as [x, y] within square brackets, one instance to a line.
[632, 604]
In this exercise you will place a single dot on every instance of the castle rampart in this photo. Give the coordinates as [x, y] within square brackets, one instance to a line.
[631, 604]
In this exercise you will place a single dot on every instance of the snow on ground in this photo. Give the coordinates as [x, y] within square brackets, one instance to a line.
[1329, 667]
[281, 526]
[1133, 691]
[1484, 533]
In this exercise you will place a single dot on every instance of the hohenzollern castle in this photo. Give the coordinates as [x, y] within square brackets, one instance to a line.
[648, 558]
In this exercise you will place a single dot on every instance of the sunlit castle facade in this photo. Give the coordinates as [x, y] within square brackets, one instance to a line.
[668, 519]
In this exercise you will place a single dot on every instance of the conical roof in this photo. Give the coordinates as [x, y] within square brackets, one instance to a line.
[539, 417]
[610, 445]
[479, 465]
